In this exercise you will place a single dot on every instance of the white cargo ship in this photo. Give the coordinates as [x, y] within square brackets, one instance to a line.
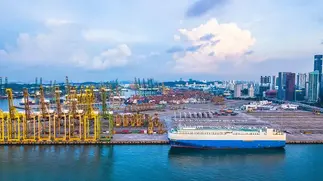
[228, 138]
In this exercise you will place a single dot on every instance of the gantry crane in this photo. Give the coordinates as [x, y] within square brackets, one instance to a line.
[91, 117]
[30, 119]
[13, 120]
[58, 117]
[105, 113]
[2, 123]
[75, 117]
[44, 119]
[150, 125]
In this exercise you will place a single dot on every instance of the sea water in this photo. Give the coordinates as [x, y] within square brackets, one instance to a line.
[158, 162]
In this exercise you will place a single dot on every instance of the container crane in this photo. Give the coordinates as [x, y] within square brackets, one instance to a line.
[60, 115]
[44, 118]
[13, 120]
[150, 125]
[29, 118]
[2, 128]
[75, 117]
[91, 117]
[105, 114]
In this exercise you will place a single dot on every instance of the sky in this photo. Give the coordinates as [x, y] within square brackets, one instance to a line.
[104, 40]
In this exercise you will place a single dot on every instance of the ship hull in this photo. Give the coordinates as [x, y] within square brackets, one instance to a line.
[227, 144]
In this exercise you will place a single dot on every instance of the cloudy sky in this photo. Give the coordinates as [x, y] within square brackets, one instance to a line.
[168, 39]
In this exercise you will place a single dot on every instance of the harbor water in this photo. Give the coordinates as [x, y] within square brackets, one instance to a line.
[160, 163]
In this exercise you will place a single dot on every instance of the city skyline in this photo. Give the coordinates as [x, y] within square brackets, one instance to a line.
[203, 39]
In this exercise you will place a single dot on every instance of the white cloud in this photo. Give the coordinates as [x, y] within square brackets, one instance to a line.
[102, 35]
[177, 37]
[115, 57]
[56, 22]
[151, 54]
[154, 53]
[64, 45]
[211, 44]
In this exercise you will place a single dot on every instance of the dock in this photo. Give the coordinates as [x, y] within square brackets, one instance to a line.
[129, 142]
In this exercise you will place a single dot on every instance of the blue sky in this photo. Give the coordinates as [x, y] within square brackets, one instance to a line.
[203, 39]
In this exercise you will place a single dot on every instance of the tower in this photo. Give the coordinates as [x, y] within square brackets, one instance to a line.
[313, 86]
[318, 67]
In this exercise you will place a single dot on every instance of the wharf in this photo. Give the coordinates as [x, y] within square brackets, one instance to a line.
[130, 142]
[305, 142]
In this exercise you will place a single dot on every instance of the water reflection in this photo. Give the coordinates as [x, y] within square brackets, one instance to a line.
[197, 157]
[76, 162]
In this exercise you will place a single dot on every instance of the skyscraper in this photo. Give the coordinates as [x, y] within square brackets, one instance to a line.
[281, 83]
[251, 92]
[273, 85]
[286, 86]
[290, 86]
[264, 84]
[313, 86]
[318, 67]
[301, 80]
[237, 90]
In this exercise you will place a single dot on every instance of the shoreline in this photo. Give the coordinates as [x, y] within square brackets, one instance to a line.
[138, 142]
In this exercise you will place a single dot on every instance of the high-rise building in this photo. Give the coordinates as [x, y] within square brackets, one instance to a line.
[313, 86]
[237, 90]
[301, 80]
[290, 86]
[281, 83]
[273, 85]
[251, 91]
[318, 65]
[306, 89]
[264, 84]
[265, 80]
[286, 86]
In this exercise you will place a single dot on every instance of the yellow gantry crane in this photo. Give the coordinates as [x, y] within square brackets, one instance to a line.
[13, 120]
[44, 118]
[2, 129]
[75, 117]
[29, 123]
[91, 118]
[58, 118]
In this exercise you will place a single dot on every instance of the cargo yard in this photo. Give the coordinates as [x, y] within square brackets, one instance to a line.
[102, 115]
[300, 126]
